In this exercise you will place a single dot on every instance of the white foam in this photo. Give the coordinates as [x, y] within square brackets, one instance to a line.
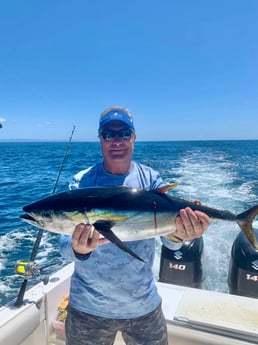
[212, 178]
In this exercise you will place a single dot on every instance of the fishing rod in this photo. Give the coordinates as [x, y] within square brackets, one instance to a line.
[28, 268]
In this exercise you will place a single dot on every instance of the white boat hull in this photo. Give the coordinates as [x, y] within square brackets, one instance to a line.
[196, 317]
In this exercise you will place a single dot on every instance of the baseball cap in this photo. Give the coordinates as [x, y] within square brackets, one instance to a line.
[116, 113]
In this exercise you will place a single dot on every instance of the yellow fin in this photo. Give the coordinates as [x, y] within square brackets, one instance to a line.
[166, 188]
[174, 238]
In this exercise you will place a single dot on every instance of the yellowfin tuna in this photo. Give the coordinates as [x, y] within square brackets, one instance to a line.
[123, 214]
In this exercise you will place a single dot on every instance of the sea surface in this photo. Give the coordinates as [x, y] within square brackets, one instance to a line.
[222, 174]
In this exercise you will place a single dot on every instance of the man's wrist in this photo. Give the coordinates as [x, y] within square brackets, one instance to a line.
[82, 256]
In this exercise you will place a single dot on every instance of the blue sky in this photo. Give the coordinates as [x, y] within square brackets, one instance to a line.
[188, 70]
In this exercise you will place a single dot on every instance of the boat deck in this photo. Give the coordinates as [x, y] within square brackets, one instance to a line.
[194, 317]
[199, 317]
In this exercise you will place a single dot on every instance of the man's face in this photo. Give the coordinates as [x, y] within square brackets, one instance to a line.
[117, 149]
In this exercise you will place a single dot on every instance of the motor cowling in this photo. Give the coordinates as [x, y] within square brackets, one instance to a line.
[183, 266]
[243, 268]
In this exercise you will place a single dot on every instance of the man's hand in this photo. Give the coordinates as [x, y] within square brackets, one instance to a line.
[83, 242]
[191, 224]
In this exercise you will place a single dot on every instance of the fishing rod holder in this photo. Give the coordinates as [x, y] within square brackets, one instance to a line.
[28, 269]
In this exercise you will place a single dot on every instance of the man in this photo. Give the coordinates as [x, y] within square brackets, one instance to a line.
[110, 290]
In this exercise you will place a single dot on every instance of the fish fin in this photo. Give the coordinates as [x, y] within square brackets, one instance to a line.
[245, 220]
[173, 238]
[104, 228]
[166, 188]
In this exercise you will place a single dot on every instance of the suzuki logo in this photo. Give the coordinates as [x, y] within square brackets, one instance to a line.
[178, 255]
[254, 265]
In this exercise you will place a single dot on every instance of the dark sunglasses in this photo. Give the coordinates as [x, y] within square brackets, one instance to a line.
[125, 134]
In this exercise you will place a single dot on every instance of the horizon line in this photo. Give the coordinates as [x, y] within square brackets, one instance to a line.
[96, 141]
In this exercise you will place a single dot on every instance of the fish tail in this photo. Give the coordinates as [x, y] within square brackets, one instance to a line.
[245, 221]
[104, 228]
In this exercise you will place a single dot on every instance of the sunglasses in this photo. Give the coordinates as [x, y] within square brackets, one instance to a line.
[125, 134]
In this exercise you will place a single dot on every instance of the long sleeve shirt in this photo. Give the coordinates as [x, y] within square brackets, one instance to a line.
[108, 282]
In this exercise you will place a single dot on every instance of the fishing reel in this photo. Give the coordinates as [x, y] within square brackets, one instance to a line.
[28, 269]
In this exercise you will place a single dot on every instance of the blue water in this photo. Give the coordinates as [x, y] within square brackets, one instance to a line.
[222, 174]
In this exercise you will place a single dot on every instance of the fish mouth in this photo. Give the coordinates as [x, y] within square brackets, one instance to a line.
[31, 220]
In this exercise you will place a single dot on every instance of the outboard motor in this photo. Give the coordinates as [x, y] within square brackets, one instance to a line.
[183, 266]
[243, 268]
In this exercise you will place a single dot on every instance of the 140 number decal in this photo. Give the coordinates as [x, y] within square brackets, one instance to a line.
[177, 267]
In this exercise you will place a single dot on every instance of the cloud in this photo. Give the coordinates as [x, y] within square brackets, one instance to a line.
[2, 119]
[45, 123]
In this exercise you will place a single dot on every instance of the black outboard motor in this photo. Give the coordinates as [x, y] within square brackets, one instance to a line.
[183, 266]
[243, 268]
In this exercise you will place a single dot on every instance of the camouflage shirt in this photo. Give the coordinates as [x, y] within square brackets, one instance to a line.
[108, 282]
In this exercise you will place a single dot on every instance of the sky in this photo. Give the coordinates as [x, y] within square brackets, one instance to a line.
[187, 70]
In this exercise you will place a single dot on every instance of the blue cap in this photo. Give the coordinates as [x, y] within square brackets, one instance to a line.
[116, 114]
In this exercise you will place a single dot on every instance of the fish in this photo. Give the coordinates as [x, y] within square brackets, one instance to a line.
[123, 214]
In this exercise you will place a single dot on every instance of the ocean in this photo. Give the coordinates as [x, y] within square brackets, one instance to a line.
[222, 174]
